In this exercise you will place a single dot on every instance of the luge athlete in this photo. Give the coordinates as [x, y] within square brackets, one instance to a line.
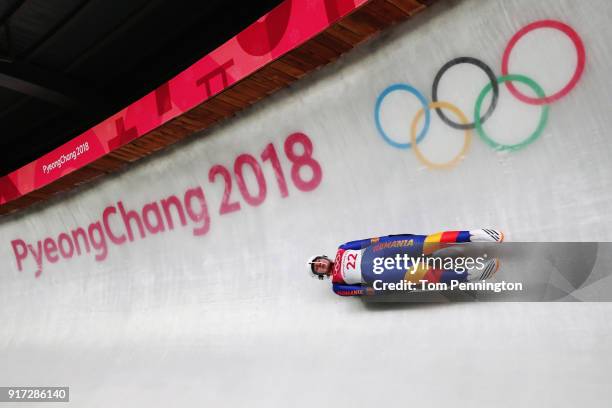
[358, 264]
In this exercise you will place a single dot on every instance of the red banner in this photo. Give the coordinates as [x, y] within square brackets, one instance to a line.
[287, 26]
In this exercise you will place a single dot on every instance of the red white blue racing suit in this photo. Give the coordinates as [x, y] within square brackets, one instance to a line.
[353, 264]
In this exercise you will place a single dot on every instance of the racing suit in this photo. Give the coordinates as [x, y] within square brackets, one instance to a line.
[353, 262]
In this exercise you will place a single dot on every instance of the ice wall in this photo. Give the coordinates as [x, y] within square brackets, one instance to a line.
[221, 310]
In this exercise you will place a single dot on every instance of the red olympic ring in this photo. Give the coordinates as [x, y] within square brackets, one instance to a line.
[567, 30]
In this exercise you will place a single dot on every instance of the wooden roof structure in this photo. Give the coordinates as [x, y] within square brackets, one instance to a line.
[339, 38]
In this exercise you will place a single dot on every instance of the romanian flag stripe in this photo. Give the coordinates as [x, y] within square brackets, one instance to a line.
[463, 236]
[449, 236]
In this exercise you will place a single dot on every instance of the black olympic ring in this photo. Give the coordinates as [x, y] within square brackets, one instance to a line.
[492, 79]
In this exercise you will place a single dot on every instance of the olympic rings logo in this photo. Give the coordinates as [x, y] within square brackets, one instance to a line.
[492, 87]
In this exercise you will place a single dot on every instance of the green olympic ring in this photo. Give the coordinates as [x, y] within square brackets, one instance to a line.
[541, 124]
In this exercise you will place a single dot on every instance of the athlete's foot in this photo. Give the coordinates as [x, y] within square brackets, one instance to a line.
[490, 268]
[486, 235]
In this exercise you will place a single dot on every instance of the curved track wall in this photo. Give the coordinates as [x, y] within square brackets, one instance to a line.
[216, 305]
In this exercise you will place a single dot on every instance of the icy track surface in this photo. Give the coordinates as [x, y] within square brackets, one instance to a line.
[220, 311]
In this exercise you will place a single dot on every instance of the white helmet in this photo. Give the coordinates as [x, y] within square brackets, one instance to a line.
[310, 265]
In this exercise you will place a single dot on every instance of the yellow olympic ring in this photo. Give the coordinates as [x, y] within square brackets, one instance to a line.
[466, 144]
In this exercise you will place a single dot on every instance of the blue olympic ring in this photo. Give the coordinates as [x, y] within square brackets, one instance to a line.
[421, 98]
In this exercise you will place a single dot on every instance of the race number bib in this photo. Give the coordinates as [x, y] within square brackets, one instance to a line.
[351, 267]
